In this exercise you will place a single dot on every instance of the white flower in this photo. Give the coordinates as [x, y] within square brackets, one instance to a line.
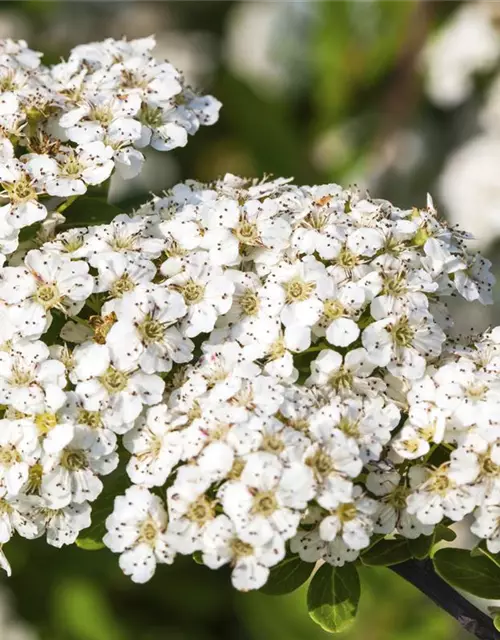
[251, 562]
[29, 378]
[391, 514]
[335, 461]
[104, 386]
[155, 447]
[401, 343]
[21, 189]
[144, 334]
[18, 450]
[352, 521]
[439, 496]
[267, 498]
[71, 475]
[137, 530]
[62, 526]
[486, 522]
[207, 293]
[71, 170]
[346, 375]
[47, 281]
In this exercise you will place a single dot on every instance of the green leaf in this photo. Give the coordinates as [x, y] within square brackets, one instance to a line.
[482, 550]
[496, 622]
[442, 532]
[287, 576]
[198, 557]
[87, 211]
[421, 547]
[90, 544]
[387, 552]
[333, 597]
[477, 575]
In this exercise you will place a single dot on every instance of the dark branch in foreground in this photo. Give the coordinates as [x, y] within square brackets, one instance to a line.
[421, 574]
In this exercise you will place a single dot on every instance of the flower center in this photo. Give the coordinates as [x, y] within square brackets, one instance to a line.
[20, 191]
[402, 333]
[272, 444]
[321, 463]
[91, 419]
[151, 331]
[347, 259]
[193, 292]
[9, 456]
[114, 381]
[45, 422]
[151, 116]
[249, 302]
[21, 377]
[349, 427]
[277, 349]
[346, 512]
[247, 233]
[297, 290]
[148, 532]
[48, 296]
[74, 460]
[333, 309]
[34, 479]
[397, 498]
[241, 549]
[488, 467]
[122, 285]
[201, 511]
[439, 482]
[264, 503]
[341, 380]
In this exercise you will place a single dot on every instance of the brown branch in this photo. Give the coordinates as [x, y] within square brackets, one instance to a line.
[421, 574]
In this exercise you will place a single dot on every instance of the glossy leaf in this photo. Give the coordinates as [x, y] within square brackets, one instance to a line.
[478, 575]
[287, 576]
[333, 597]
[387, 552]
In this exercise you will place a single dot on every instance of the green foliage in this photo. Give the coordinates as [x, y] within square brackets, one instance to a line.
[89, 544]
[387, 552]
[287, 576]
[477, 575]
[333, 597]
[420, 548]
[87, 211]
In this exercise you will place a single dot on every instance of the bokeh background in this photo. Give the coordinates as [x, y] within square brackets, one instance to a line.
[400, 98]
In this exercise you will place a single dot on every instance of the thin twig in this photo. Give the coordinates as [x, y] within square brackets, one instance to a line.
[421, 574]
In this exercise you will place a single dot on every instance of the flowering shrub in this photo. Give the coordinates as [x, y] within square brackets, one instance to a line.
[251, 372]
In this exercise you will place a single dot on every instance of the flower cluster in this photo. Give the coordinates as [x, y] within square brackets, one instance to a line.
[270, 363]
[267, 365]
[67, 127]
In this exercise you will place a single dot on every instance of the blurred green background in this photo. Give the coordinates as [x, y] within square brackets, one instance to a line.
[327, 91]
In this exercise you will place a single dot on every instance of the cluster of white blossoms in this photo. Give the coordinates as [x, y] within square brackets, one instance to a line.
[270, 363]
[67, 127]
[267, 365]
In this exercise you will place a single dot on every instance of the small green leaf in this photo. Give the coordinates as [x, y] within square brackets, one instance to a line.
[479, 576]
[287, 576]
[87, 211]
[89, 544]
[333, 597]
[387, 552]
[442, 532]
[496, 622]
[198, 557]
[421, 547]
